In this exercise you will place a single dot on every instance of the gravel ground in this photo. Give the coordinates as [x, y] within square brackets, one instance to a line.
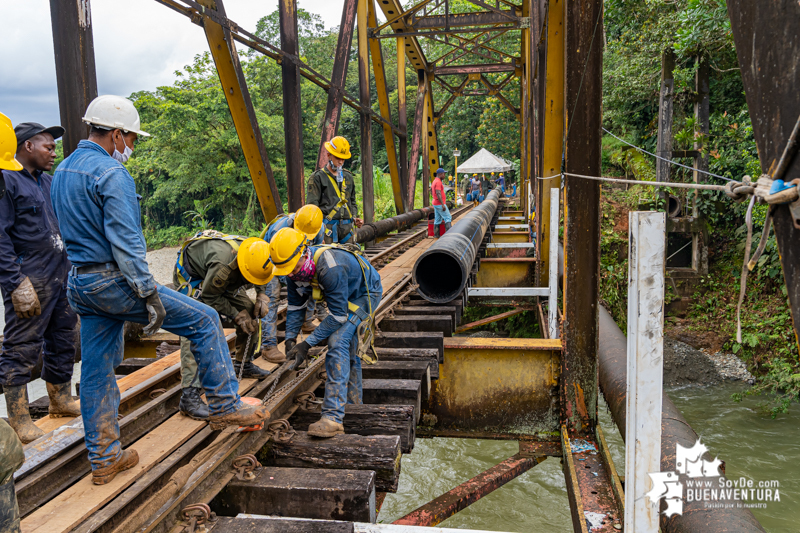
[684, 365]
[162, 263]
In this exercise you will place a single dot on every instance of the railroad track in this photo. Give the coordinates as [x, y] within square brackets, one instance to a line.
[183, 462]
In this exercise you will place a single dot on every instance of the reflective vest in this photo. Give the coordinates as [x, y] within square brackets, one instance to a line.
[191, 287]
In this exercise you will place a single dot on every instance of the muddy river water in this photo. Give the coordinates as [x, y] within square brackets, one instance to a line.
[751, 444]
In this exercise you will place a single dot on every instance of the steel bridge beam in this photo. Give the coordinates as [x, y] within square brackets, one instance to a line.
[402, 118]
[292, 110]
[367, 183]
[475, 69]
[416, 137]
[431, 147]
[584, 84]
[75, 67]
[383, 103]
[226, 59]
[461, 20]
[333, 109]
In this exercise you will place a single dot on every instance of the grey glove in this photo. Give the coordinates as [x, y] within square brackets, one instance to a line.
[299, 352]
[25, 301]
[244, 321]
[156, 311]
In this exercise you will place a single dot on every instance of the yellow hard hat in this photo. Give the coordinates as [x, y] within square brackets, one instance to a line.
[339, 146]
[285, 250]
[492, 173]
[308, 219]
[253, 260]
[8, 145]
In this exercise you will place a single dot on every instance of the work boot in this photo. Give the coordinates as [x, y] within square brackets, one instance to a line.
[250, 370]
[19, 417]
[61, 402]
[436, 231]
[273, 355]
[325, 428]
[244, 415]
[192, 405]
[127, 460]
[308, 326]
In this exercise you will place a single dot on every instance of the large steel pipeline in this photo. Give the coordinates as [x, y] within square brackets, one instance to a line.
[613, 365]
[373, 230]
[442, 271]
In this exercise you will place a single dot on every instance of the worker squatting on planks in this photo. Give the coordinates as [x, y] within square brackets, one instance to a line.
[308, 220]
[216, 269]
[95, 200]
[352, 290]
[33, 277]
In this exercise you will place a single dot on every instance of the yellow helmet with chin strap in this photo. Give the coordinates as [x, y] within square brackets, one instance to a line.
[308, 219]
[254, 263]
[339, 146]
[285, 250]
[8, 145]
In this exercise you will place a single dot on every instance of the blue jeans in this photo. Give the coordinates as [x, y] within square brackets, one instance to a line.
[269, 324]
[343, 365]
[442, 214]
[105, 301]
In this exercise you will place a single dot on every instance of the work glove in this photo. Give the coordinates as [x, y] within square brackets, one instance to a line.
[299, 352]
[262, 305]
[288, 345]
[25, 301]
[156, 311]
[244, 321]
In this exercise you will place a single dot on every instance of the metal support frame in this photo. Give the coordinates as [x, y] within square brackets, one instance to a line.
[402, 119]
[552, 304]
[383, 103]
[664, 143]
[333, 110]
[367, 178]
[431, 162]
[416, 137]
[226, 59]
[583, 101]
[292, 109]
[75, 67]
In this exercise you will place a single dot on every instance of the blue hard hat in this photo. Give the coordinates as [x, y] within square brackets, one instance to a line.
[440, 171]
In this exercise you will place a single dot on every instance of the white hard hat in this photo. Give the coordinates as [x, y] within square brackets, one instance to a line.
[114, 112]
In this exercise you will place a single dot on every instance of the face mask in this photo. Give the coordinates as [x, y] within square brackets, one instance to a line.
[337, 171]
[122, 157]
[306, 272]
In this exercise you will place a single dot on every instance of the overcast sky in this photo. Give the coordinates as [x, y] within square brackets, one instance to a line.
[138, 45]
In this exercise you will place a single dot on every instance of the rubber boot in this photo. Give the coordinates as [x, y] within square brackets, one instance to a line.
[192, 404]
[250, 370]
[9, 510]
[244, 415]
[19, 417]
[61, 402]
[273, 355]
[308, 327]
[447, 226]
[436, 231]
[325, 428]
[127, 460]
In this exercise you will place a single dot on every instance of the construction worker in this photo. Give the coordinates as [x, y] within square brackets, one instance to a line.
[333, 190]
[95, 200]
[352, 288]
[217, 269]
[11, 458]
[486, 186]
[501, 182]
[33, 274]
[308, 219]
[475, 190]
[442, 214]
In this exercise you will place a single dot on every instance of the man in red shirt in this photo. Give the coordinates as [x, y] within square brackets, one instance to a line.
[439, 204]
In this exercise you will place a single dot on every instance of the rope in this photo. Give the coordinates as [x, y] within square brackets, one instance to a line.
[670, 161]
[700, 186]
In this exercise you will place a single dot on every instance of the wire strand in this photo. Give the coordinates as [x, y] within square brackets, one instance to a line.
[698, 186]
[670, 161]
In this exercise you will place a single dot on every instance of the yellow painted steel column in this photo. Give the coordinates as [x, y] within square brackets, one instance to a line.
[431, 143]
[553, 135]
[226, 60]
[402, 116]
[383, 103]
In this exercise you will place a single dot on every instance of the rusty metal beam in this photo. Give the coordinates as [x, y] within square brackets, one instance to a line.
[378, 69]
[458, 92]
[226, 59]
[416, 57]
[333, 109]
[494, 91]
[471, 40]
[402, 117]
[416, 138]
[76, 74]
[489, 320]
[453, 501]
[404, 15]
[497, 11]
[583, 101]
[474, 69]
[367, 183]
[431, 162]
[768, 48]
[445, 32]
[292, 110]
[461, 20]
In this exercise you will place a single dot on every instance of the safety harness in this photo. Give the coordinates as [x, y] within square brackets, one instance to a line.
[366, 329]
[191, 287]
[342, 203]
[272, 222]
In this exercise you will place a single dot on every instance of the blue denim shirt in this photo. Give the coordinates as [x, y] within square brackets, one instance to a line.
[288, 222]
[95, 201]
[342, 280]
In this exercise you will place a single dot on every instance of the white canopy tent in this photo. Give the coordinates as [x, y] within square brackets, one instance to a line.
[484, 161]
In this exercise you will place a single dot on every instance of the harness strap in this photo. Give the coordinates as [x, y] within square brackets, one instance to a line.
[341, 194]
[189, 286]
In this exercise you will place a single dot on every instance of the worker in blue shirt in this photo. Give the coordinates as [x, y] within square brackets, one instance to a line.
[33, 279]
[352, 288]
[95, 200]
[501, 182]
[308, 220]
